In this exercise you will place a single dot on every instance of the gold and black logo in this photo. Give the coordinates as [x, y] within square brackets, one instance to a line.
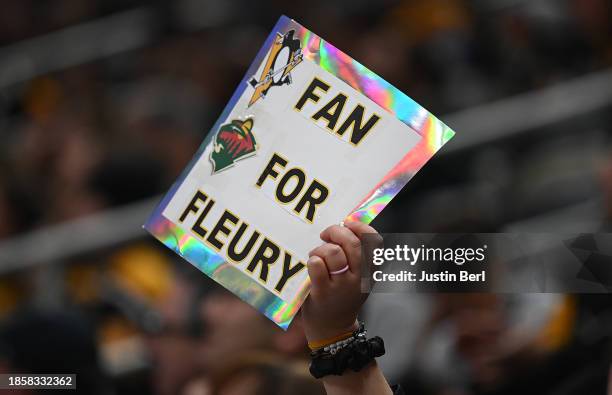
[284, 55]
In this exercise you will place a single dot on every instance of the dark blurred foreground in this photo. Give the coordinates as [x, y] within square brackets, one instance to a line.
[102, 103]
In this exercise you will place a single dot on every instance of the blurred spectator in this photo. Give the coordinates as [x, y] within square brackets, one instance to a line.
[266, 374]
[606, 183]
[119, 127]
[232, 327]
[125, 177]
[53, 342]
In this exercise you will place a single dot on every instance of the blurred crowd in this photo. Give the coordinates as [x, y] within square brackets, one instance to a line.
[119, 129]
[116, 130]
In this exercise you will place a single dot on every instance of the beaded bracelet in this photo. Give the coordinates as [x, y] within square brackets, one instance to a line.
[322, 343]
[333, 348]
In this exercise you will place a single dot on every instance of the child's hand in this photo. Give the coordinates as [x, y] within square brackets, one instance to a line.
[335, 299]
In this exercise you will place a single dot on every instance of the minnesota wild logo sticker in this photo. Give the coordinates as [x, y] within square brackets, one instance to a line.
[234, 141]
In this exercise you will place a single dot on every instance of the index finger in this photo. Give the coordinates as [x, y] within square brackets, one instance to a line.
[360, 229]
[348, 241]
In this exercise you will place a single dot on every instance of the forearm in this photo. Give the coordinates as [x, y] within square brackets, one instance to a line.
[329, 315]
[370, 380]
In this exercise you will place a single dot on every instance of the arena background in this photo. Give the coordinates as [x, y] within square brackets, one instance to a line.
[102, 103]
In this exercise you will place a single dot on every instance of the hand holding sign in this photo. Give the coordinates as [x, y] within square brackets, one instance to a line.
[335, 299]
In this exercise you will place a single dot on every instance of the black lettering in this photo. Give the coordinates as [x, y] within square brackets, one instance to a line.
[301, 179]
[221, 228]
[354, 120]
[266, 255]
[197, 226]
[331, 111]
[193, 207]
[315, 194]
[231, 248]
[288, 271]
[309, 93]
[269, 170]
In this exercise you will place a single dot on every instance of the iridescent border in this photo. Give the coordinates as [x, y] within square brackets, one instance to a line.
[434, 135]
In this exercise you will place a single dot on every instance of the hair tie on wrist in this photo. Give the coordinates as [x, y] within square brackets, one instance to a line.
[340, 271]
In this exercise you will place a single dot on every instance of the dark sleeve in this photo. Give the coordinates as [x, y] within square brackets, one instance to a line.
[397, 390]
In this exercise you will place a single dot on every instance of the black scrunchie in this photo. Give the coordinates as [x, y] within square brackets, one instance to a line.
[355, 357]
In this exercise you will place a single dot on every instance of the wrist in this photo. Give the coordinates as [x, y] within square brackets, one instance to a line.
[319, 333]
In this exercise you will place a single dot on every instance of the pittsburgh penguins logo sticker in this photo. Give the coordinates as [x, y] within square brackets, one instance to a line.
[284, 55]
[234, 141]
